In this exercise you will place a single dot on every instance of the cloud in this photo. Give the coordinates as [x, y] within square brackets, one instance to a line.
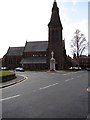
[63, 12]
[74, 10]
[74, 2]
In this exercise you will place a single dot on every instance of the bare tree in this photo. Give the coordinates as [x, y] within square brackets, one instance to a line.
[78, 43]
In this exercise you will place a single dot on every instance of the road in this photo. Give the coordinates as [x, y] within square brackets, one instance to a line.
[47, 95]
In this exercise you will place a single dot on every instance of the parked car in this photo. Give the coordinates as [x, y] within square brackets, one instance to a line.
[4, 68]
[88, 69]
[75, 68]
[19, 69]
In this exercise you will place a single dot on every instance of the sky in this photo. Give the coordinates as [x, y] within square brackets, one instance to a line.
[22, 20]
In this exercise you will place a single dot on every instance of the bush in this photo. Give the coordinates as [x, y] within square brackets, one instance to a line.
[6, 76]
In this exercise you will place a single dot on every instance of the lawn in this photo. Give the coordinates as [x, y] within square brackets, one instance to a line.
[5, 73]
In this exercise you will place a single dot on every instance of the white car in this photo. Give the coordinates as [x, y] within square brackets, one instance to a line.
[19, 69]
[88, 69]
[75, 68]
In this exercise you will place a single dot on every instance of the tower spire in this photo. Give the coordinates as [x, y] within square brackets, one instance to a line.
[55, 37]
[55, 18]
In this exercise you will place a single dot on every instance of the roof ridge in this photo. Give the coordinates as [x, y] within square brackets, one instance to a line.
[17, 47]
[36, 41]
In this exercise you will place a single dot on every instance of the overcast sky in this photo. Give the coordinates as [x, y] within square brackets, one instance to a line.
[22, 20]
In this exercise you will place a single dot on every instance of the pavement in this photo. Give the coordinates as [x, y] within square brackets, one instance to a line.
[18, 79]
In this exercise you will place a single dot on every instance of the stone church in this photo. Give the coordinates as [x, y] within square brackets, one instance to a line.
[36, 55]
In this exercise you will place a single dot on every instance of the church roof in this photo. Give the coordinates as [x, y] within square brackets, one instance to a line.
[15, 51]
[33, 60]
[36, 46]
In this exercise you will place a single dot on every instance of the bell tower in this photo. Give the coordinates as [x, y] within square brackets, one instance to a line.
[55, 37]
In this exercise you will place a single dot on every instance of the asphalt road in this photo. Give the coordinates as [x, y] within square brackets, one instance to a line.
[47, 95]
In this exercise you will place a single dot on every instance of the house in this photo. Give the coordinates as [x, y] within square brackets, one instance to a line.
[84, 61]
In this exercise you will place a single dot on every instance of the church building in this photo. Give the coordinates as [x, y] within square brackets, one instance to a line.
[37, 55]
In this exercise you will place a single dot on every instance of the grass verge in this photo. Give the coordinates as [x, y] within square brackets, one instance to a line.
[5, 73]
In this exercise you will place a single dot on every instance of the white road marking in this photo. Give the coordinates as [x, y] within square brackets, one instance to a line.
[9, 98]
[25, 77]
[48, 86]
[79, 76]
[72, 73]
[69, 79]
[17, 82]
[67, 73]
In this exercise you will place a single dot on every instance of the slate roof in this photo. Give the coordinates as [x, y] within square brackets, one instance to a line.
[36, 46]
[15, 51]
[33, 60]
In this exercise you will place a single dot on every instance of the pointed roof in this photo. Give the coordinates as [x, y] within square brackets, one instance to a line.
[36, 46]
[55, 8]
[55, 18]
[15, 51]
